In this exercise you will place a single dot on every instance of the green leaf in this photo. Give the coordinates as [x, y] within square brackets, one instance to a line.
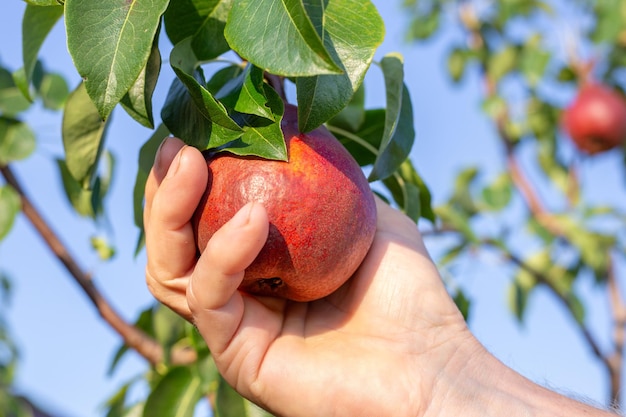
[12, 100]
[37, 23]
[102, 247]
[54, 91]
[246, 93]
[463, 303]
[498, 194]
[45, 2]
[183, 118]
[189, 101]
[138, 100]
[534, 61]
[279, 36]
[399, 132]
[364, 142]
[147, 154]
[501, 63]
[457, 61]
[83, 136]
[168, 327]
[352, 116]
[144, 323]
[250, 134]
[458, 220]
[10, 206]
[352, 31]
[176, 394]
[261, 137]
[110, 42]
[462, 197]
[425, 25]
[410, 192]
[17, 141]
[228, 403]
[203, 20]
[81, 199]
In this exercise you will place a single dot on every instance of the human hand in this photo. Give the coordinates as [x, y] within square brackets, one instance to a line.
[388, 342]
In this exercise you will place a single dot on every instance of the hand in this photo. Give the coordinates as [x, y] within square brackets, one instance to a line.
[389, 342]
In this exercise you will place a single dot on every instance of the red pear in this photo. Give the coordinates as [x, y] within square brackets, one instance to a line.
[321, 210]
[596, 119]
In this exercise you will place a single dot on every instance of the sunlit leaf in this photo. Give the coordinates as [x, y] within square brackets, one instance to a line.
[83, 136]
[168, 327]
[410, 192]
[457, 220]
[399, 133]
[352, 31]
[44, 2]
[17, 140]
[10, 206]
[12, 100]
[457, 61]
[203, 21]
[501, 63]
[37, 23]
[176, 394]
[228, 403]
[497, 195]
[261, 137]
[103, 248]
[246, 93]
[110, 42]
[138, 100]
[191, 112]
[80, 198]
[278, 36]
[54, 91]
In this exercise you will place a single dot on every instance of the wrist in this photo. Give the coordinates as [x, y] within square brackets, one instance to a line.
[475, 383]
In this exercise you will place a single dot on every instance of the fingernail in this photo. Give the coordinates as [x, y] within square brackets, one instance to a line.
[159, 153]
[242, 217]
[176, 163]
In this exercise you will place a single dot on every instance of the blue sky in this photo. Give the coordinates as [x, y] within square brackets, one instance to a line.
[66, 348]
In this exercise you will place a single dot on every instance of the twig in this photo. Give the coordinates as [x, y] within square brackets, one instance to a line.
[132, 336]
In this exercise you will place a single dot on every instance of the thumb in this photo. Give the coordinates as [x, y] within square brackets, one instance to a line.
[216, 305]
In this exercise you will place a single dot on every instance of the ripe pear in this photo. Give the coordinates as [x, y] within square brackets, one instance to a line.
[596, 119]
[321, 211]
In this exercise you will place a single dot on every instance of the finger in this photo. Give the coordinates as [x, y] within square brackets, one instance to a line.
[212, 295]
[170, 240]
[163, 159]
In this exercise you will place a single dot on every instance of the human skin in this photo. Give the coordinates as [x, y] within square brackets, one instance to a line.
[389, 342]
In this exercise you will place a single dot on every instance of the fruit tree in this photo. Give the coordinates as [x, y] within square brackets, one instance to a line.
[244, 81]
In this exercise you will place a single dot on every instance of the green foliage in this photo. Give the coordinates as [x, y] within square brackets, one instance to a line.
[573, 239]
[232, 63]
[110, 42]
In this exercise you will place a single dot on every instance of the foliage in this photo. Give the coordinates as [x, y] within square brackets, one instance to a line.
[235, 66]
[568, 237]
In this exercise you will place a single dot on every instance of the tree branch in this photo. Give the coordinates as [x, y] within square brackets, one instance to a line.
[132, 336]
[542, 279]
[618, 309]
